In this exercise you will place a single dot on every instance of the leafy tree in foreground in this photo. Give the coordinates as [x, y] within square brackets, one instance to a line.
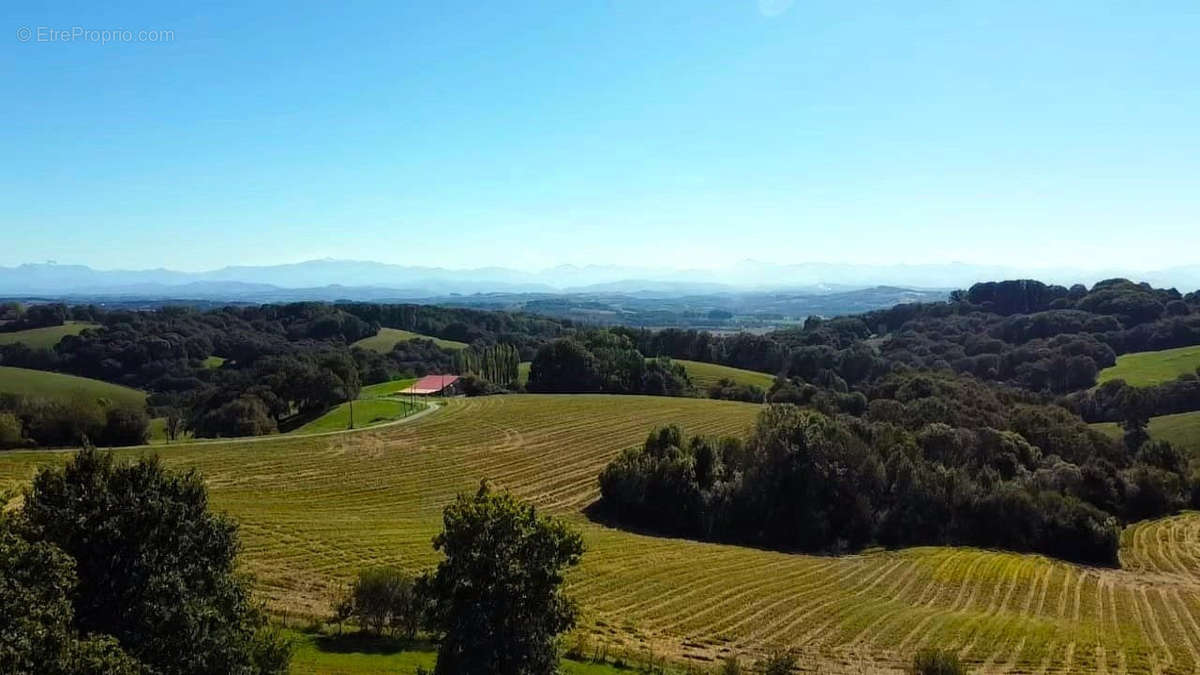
[37, 634]
[35, 613]
[497, 596]
[155, 567]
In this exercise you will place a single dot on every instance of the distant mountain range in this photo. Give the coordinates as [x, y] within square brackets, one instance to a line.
[726, 311]
[364, 280]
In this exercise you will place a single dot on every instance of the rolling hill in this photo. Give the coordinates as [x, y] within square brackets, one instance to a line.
[45, 338]
[1182, 430]
[1143, 369]
[388, 337]
[59, 386]
[701, 374]
[367, 412]
[385, 388]
[315, 510]
[704, 375]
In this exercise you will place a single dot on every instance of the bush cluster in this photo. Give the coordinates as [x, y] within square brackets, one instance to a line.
[28, 421]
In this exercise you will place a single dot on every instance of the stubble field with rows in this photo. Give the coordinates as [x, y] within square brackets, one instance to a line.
[315, 510]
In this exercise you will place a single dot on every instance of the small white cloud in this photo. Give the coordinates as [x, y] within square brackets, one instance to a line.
[771, 8]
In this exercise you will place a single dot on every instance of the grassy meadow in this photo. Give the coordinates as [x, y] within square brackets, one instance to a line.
[388, 337]
[386, 388]
[1143, 369]
[367, 412]
[703, 375]
[1182, 430]
[374, 406]
[47, 337]
[49, 385]
[314, 510]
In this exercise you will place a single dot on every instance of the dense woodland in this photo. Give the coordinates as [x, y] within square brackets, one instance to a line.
[1042, 338]
[928, 424]
[604, 361]
[281, 364]
[278, 365]
[15, 317]
[930, 459]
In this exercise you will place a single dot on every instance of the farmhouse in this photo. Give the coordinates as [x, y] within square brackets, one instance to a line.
[434, 385]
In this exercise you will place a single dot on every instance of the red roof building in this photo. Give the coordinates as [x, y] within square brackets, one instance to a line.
[432, 385]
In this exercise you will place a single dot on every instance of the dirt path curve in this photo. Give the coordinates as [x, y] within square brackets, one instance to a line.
[430, 408]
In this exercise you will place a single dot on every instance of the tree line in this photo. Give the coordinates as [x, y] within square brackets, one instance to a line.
[604, 361]
[1046, 339]
[30, 421]
[499, 364]
[1116, 401]
[1024, 333]
[525, 331]
[15, 316]
[930, 459]
[280, 363]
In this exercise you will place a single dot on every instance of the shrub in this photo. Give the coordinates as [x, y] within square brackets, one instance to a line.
[387, 598]
[243, 416]
[937, 662]
[730, 666]
[729, 390]
[60, 423]
[10, 431]
[125, 426]
[778, 662]
[473, 385]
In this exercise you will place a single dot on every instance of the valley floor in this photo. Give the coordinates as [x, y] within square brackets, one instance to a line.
[316, 510]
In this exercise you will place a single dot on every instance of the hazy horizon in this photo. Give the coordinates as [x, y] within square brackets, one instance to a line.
[601, 264]
[368, 280]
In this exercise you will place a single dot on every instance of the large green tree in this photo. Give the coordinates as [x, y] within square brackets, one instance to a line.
[35, 612]
[37, 632]
[497, 596]
[565, 366]
[155, 566]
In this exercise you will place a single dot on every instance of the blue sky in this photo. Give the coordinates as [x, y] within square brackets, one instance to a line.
[672, 134]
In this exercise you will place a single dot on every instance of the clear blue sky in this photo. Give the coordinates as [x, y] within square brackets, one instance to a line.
[668, 133]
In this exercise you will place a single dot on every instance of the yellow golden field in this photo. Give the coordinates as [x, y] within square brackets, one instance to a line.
[315, 510]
